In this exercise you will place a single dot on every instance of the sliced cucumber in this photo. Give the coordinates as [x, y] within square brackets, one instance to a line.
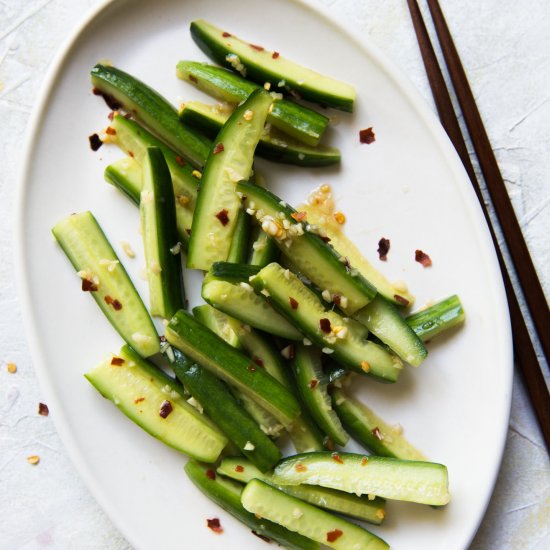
[227, 494]
[273, 145]
[384, 320]
[296, 515]
[263, 249]
[320, 211]
[160, 237]
[125, 174]
[313, 257]
[438, 318]
[102, 274]
[152, 109]
[238, 249]
[371, 431]
[361, 508]
[240, 301]
[295, 120]
[209, 350]
[224, 410]
[327, 329]
[261, 66]
[229, 161]
[157, 404]
[409, 480]
[309, 374]
[218, 323]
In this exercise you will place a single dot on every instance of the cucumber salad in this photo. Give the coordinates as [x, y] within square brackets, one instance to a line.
[292, 311]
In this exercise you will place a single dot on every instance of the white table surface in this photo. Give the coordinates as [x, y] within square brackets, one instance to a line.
[505, 47]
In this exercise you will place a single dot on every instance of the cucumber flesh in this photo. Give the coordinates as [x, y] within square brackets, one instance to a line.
[125, 174]
[157, 404]
[370, 430]
[160, 237]
[227, 494]
[409, 480]
[261, 66]
[229, 161]
[438, 318]
[328, 330]
[361, 508]
[295, 120]
[93, 257]
[153, 110]
[296, 515]
[263, 250]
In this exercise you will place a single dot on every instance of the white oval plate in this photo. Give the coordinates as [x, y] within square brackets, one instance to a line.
[408, 186]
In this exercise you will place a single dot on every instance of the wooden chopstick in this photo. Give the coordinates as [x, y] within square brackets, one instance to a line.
[524, 352]
[526, 272]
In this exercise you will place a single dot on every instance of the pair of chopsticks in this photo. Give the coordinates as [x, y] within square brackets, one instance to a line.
[524, 352]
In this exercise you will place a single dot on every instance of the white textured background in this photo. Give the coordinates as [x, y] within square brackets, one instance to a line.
[505, 48]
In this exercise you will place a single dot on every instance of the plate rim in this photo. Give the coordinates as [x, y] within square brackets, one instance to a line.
[419, 104]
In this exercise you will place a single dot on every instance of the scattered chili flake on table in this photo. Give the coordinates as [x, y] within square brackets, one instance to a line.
[383, 248]
[95, 142]
[33, 459]
[43, 409]
[12, 368]
[422, 258]
[334, 535]
[367, 136]
[218, 148]
[215, 525]
[165, 409]
[223, 217]
[260, 536]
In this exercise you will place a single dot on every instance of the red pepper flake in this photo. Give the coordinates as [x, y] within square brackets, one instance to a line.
[218, 148]
[165, 409]
[300, 467]
[131, 153]
[325, 325]
[95, 142]
[324, 239]
[299, 216]
[117, 361]
[113, 302]
[139, 400]
[258, 361]
[313, 383]
[401, 300]
[193, 78]
[337, 458]
[43, 409]
[111, 131]
[288, 352]
[260, 536]
[111, 115]
[336, 299]
[422, 258]
[275, 55]
[293, 303]
[239, 468]
[367, 136]
[364, 461]
[211, 474]
[334, 535]
[223, 217]
[215, 525]
[225, 34]
[377, 433]
[112, 103]
[258, 48]
[188, 231]
[383, 248]
[88, 286]
[180, 160]
[251, 368]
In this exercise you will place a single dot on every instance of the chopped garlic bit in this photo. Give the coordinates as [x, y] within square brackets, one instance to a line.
[127, 248]
[276, 95]
[267, 86]
[328, 351]
[326, 295]
[236, 63]
[109, 264]
[12, 368]
[249, 446]
[196, 174]
[248, 114]
[139, 338]
[33, 459]
[365, 366]
[297, 513]
[194, 403]
[155, 268]
[287, 274]
[183, 200]
[265, 292]
[306, 342]
[176, 249]
[259, 245]
[343, 302]
[246, 286]
[147, 197]
[371, 496]
[281, 83]
[397, 429]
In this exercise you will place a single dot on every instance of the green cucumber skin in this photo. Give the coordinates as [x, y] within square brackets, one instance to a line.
[351, 351]
[151, 385]
[295, 120]
[438, 318]
[360, 508]
[263, 249]
[153, 110]
[239, 241]
[311, 256]
[362, 424]
[125, 175]
[85, 244]
[210, 40]
[274, 146]
[210, 237]
[234, 272]
[210, 351]
[307, 368]
[223, 409]
[391, 478]
[160, 235]
[383, 319]
[227, 495]
[265, 500]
